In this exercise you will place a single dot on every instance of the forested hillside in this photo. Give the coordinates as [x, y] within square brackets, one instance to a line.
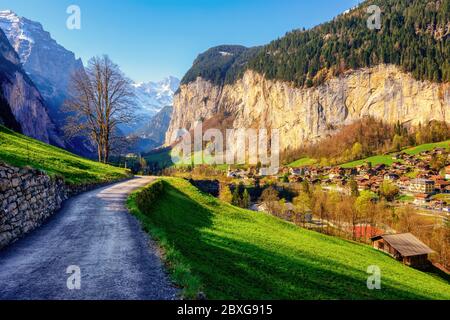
[414, 35]
[220, 65]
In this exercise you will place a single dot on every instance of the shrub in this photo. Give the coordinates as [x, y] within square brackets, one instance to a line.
[146, 199]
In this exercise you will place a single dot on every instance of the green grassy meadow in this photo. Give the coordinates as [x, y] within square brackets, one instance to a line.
[387, 159]
[428, 147]
[19, 150]
[375, 160]
[232, 253]
[303, 162]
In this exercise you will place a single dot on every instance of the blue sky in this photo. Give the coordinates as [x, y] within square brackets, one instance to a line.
[151, 39]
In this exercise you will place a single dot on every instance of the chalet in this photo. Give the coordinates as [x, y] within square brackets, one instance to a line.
[403, 183]
[423, 166]
[440, 151]
[363, 184]
[351, 171]
[296, 179]
[421, 199]
[404, 247]
[379, 167]
[441, 185]
[338, 179]
[391, 176]
[425, 186]
[296, 171]
[436, 178]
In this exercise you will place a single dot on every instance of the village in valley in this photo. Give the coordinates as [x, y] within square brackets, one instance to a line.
[414, 183]
[415, 180]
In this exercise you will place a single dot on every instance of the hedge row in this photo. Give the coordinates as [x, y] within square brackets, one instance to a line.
[146, 198]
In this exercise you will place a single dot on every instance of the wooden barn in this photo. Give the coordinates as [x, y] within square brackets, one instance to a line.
[404, 247]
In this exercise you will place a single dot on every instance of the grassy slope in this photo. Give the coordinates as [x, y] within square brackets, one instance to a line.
[375, 160]
[387, 159]
[240, 254]
[427, 147]
[19, 150]
[379, 159]
[303, 162]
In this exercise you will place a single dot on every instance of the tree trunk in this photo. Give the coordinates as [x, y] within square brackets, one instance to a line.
[99, 151]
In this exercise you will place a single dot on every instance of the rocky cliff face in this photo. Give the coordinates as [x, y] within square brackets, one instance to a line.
[304, 115]
[152, 134]
[23, 99]
[157, 126]
[48, 64]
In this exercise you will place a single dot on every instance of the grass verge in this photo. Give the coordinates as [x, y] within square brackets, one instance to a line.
[20, 151]
[232, 253]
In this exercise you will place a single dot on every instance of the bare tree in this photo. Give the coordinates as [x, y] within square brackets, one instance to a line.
[101, 98]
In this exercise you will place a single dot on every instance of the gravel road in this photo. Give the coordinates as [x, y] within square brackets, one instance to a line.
[96, 240]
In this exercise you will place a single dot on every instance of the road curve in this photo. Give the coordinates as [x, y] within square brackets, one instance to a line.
[95, 233]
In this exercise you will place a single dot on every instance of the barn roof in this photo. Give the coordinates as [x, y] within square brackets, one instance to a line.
[405, 243]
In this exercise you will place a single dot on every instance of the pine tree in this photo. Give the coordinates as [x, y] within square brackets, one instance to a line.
[245, 200]
[236, 198]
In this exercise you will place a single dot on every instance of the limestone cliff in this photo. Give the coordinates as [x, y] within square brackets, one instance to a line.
[302, 115]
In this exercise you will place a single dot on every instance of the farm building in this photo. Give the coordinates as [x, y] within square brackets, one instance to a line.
[404, 247]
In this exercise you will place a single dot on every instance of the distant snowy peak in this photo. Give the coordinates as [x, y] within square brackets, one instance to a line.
[167, 86]
[153, 96]
[48, 63]
[24, 34]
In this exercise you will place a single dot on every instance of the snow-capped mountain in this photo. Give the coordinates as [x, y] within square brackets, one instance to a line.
[153, 96]
[154, 110]
[49, 66]
[47, 63]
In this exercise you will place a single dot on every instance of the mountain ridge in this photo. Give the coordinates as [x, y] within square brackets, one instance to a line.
[313, 106]
[48, 64]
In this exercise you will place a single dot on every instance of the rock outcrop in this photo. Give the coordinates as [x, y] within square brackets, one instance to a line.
[22, 98]
[306, 115]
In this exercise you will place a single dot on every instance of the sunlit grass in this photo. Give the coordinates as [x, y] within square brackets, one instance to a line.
[303, 162]
[20, 151]
[232, 253]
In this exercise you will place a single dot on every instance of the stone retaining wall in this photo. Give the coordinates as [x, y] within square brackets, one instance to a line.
[27, 198]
